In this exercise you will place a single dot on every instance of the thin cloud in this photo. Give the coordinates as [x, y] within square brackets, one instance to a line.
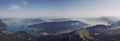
[14, 7]
[25, 2]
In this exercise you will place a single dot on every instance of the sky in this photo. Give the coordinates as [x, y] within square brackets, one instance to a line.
[58, 8]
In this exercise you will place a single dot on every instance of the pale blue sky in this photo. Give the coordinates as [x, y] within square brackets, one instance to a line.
[58, 8]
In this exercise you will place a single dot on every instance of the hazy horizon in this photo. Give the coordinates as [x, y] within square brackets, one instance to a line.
[58, 8]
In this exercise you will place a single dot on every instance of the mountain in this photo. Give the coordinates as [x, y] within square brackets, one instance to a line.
[18, 36]
[117, 23]
[36, 20]
[60, 30]
[78, 35]
[6, 35]
[93, 33]
[104, 33]
[87, 34]
[53, 27]
[112, 19]
[98, 29]
[2, 26]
